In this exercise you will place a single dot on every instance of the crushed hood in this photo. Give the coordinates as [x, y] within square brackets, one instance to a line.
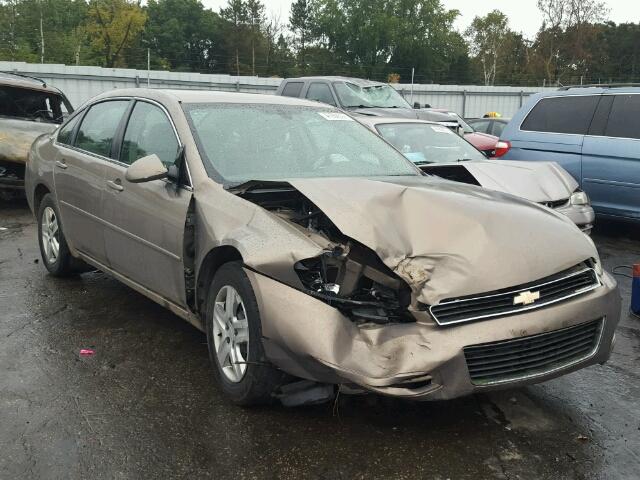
[448, 239]
[16, 137]
[535, 181]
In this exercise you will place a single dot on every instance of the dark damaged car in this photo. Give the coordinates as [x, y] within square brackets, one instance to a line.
[28, 109]
[312, 253]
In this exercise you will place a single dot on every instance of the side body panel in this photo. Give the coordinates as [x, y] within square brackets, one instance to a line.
[611, 175]
[79, 184]
[144, 232]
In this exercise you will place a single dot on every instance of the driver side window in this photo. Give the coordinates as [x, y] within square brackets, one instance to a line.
[149, 131]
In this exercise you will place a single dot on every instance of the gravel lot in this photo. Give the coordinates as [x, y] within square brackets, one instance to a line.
[145, 405]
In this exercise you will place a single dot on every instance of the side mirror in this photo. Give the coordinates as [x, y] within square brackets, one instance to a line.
[146, 169]
[416, 105]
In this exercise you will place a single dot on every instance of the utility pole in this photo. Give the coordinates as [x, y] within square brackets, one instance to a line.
[41, 38]
[413, 71]
[148, 66]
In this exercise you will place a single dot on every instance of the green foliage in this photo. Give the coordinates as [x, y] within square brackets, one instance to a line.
[366, 38]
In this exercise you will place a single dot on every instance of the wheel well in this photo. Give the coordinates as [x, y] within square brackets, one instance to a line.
[38, 195]
[210, 265]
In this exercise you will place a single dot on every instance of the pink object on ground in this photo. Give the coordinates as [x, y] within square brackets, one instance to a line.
[87, 352]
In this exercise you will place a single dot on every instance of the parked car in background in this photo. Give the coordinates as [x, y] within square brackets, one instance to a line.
[488, 144]
[28, 109]
[437, 151]
[491, 126]
[358, 96]
[594, 133]
[306, 247]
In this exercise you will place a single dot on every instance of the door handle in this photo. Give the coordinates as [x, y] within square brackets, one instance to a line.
[115, 185]
[61, 164]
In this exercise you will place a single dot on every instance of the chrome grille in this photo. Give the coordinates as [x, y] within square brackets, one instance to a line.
[531, 356]
[548, 291]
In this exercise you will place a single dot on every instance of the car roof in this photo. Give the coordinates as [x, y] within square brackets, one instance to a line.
[592, 90]
[24, 81]
[210, 96]
[357, 81]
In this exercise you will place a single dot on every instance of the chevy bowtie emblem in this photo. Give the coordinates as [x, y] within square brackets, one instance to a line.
[526, 298]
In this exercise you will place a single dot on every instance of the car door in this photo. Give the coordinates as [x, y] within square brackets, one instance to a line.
[84, 147]
[320, 92]
[611, 157]
[553, 130]
[145, 222]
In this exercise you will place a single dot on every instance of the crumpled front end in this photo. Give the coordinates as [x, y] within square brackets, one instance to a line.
[350, 300]
[421, 360]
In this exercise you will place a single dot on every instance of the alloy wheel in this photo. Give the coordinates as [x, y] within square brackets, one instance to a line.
[50, 235]
[231, 333]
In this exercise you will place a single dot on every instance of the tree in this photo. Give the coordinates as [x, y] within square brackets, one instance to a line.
[255, 19]
[235, 14]
[184, 35]
[566, 29]
[301, 24]
[112, 25]
[487, 36]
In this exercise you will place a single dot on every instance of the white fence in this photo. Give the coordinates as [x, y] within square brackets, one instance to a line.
[81, 83]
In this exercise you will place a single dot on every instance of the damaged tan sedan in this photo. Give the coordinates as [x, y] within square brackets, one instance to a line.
[312, 253]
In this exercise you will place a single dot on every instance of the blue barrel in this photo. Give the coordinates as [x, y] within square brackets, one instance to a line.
[635, 290]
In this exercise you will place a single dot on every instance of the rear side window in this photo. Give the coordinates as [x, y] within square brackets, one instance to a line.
[482, 126]
[292, 89]
[320, 92]
[66, 133]
[623, 119]
[149, 132]
[99, 127]
[570, 114]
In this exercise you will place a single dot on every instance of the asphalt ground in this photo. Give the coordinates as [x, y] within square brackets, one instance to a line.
[145, 404]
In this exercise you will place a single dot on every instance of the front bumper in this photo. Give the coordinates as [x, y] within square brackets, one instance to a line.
[582, 215]
[310, 339]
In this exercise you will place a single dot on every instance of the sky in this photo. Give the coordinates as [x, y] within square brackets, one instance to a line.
[523, 14]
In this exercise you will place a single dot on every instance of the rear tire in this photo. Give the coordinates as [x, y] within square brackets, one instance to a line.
[234, 337]
[53, 245]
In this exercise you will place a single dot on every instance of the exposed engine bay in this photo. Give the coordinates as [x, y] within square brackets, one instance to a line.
[349, 276]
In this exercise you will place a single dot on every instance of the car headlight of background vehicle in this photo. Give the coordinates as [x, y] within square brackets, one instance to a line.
[580, 198]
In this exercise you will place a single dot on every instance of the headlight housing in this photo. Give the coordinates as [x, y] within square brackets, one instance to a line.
[580, 198]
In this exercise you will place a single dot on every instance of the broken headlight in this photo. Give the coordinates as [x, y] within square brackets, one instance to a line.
[580, 198]
[355, 281]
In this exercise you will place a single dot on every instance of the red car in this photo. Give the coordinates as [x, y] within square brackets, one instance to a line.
[490, 145]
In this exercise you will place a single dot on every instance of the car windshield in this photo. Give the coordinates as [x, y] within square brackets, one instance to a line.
[242, 142]
[35, 105]
[424, 143]
[380, 96]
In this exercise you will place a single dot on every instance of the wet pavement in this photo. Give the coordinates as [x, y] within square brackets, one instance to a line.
[145, 404]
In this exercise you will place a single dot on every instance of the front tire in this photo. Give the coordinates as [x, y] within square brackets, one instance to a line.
[53, 245]
[234, 337]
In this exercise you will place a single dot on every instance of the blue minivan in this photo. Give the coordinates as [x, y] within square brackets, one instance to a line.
[594, 133]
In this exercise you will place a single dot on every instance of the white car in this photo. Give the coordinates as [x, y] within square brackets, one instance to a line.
[439, 151]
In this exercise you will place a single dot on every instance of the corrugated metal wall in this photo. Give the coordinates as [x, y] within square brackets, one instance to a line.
[82, 83]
